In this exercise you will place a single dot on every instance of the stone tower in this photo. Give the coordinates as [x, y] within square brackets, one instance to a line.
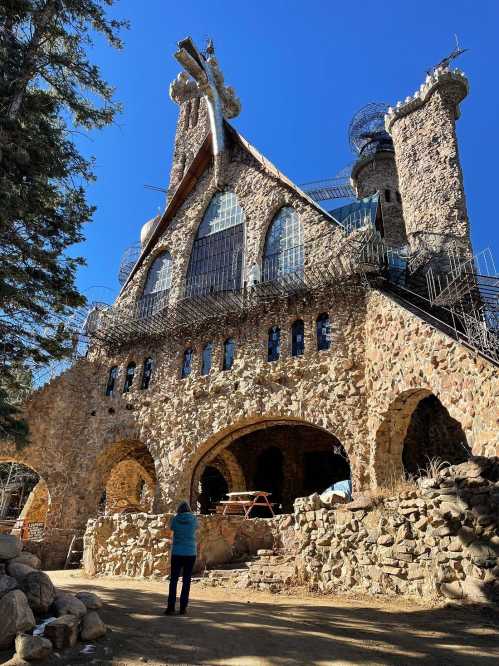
[204, 101]
[423, 129]
[377, 172]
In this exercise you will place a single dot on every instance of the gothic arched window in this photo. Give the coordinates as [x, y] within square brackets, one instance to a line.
[130, 373]
[217, 252]
[111, 380]
[274, 345]
[283, 252]
[206, 359]
[157, 286]
[146, 373]
[297, 338]
[187, 363]
[229, 353]
[323, 332]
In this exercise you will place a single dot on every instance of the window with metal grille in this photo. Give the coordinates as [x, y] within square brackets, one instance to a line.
[217, 252]
[283, 253]
[111, 380]
[187, 363]
[157, 286]
[274, 345]
[323, 332]
[206, 359]
[297, 338]
[146, 373]
[229, 353]
[130, 373]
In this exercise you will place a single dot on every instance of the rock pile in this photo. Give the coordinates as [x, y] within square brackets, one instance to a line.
[28, 597]
[441, 539]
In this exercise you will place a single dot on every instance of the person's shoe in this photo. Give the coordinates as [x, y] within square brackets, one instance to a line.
[183, 611]
[169, 611]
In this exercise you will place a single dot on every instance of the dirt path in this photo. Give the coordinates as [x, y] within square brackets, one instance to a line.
[247, 629]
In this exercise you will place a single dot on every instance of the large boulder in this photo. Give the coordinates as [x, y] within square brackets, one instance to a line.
[63, 632]
[30, 559]
[39, 590]
[68, 604]
[7, 584]
[32, 648]
[91, 600]
[10, 546]
[16, 617]
[18, 570]
[92, 627]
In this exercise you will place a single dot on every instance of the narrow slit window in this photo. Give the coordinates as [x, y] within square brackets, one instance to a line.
[298, 338]
[130, 373]
[229, 353]
[323, 332]
[388, 196]
[146, 373]
[274, 344]
[187, 363]
[111, 380]
[206, 360]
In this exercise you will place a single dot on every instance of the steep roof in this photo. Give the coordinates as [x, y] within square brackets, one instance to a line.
[195, 170]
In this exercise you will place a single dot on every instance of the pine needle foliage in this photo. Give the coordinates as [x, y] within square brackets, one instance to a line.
[49, 90]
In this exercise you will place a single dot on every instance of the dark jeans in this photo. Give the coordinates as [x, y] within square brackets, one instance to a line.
[184, 564]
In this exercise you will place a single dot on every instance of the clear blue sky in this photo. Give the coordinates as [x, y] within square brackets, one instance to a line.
[301, 69]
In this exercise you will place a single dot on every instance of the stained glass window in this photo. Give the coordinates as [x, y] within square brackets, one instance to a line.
[229, 353]
[274, 346]
[217, 253]
[187, 363]
[206, 359]
[297, 338]
[157, 286]
[113, 373]
[146, 373]
[130, 372]
[283, 253]
[323, 332]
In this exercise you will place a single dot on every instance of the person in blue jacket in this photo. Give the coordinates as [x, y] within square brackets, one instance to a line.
[184, 550]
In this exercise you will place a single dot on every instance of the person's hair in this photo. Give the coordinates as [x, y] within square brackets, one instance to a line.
[184, 507]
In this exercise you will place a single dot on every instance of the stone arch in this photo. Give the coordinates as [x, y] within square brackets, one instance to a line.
[416, 428]
[217, 446]
[24, 494]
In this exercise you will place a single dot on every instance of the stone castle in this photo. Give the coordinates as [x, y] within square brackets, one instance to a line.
[263, 342]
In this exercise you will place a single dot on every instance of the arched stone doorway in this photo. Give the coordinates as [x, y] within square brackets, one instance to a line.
[416, 429]
[24, 499]
[288, 458]
[127, 479]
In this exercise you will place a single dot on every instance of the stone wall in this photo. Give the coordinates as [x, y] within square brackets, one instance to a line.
[439, 539]
[138, 545]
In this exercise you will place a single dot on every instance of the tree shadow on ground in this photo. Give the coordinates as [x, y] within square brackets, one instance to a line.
[289, 632]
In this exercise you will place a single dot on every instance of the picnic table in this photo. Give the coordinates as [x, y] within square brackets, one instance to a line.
[245, 502]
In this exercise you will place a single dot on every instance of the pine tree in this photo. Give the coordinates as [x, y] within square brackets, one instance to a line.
[48, 89]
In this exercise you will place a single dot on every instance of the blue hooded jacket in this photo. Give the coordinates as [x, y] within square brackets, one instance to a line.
[184, 527]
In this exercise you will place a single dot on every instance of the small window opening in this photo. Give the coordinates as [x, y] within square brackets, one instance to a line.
[147, 373]
[206, 359]
[130, 373]
[113, 373]
[323, 332]
[274, 345]
[229, 353]
[298, 338]
[187, 363]
[388, 196]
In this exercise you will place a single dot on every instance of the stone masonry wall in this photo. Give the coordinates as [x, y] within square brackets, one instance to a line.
[438, 540]
[138, 545]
